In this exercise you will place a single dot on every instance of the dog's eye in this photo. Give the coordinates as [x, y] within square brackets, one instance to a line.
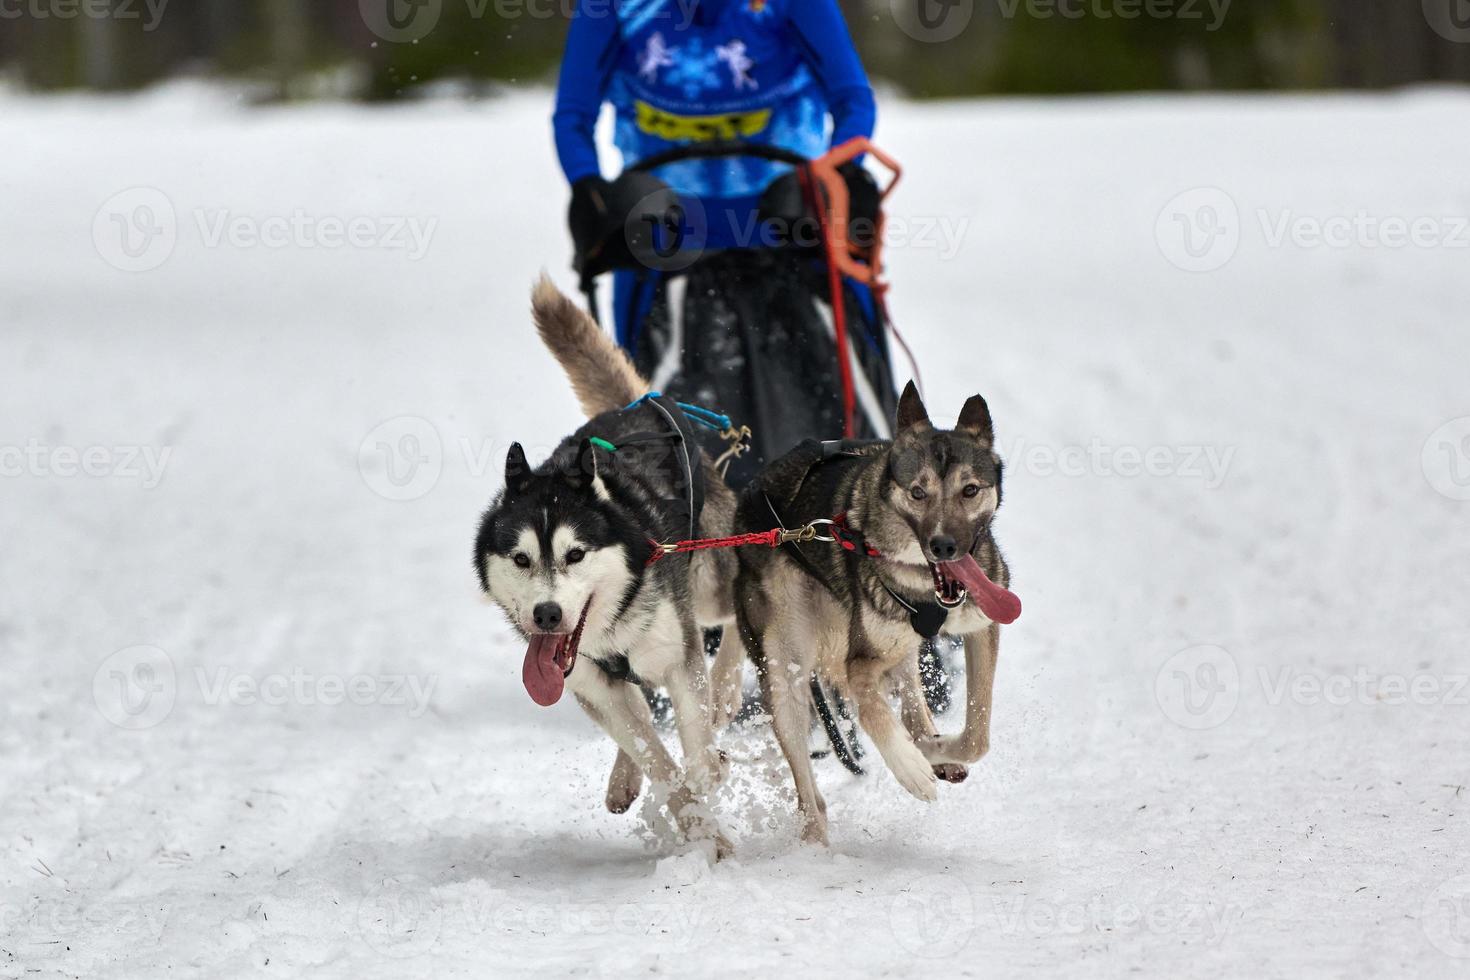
[575, 555]
[971, 490]
[918, 493]
[522, 560]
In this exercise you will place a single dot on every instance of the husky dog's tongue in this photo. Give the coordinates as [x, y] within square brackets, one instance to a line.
[549, 659]
[542, 672]
[999, 604]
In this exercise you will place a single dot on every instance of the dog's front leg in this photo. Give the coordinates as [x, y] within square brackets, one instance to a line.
[982, 650]
[866, 674]
[618, 707]
[688, 685]
[919, 721]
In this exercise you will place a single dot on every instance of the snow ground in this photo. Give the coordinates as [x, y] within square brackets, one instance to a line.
[1232, 728]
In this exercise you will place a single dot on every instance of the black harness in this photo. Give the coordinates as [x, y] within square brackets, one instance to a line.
[829, 462]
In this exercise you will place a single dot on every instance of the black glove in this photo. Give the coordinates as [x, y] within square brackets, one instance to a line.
[863, 203]
[589, 217]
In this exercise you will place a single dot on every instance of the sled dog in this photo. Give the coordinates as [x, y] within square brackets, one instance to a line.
[914, 555]
[567, 551]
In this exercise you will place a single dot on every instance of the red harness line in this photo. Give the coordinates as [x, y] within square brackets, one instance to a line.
[839, 304]
[842, 534]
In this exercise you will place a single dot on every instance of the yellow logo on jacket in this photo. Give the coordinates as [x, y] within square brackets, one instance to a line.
[700, 129]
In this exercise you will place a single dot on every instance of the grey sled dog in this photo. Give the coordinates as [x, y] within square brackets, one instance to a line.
[566, 551]
[917, 514]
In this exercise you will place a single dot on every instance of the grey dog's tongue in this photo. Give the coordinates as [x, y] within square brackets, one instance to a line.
[541, 673]
[999, 605]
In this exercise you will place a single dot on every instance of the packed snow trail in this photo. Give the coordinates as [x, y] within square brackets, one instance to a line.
[258, 720]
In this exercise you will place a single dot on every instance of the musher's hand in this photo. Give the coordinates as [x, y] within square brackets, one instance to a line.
[589, 216]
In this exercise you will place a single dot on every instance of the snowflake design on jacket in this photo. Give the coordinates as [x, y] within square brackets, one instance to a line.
[695, 71]
[656, 54]
[733, 54]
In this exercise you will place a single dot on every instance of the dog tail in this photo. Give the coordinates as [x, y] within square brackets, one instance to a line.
[602, 376]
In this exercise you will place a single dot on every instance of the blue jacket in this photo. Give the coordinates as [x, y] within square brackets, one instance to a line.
[682, 71]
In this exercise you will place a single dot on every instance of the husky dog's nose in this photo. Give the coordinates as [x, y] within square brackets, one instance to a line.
[547, 616]
[943, 548]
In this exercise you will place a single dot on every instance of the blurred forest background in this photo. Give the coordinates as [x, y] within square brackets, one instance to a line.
[308, 48]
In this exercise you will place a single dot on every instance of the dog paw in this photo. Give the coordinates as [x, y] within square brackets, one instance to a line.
[913, 772]
[955, 749]
[815, 831]
[951, 772]
[620, 798]
[623, 785]
[723, 848]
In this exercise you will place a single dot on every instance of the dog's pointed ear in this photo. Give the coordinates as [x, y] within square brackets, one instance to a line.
[911, 411]
[517, 470]
[975, 420]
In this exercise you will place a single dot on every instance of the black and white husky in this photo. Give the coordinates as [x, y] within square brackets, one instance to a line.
[567, 551]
